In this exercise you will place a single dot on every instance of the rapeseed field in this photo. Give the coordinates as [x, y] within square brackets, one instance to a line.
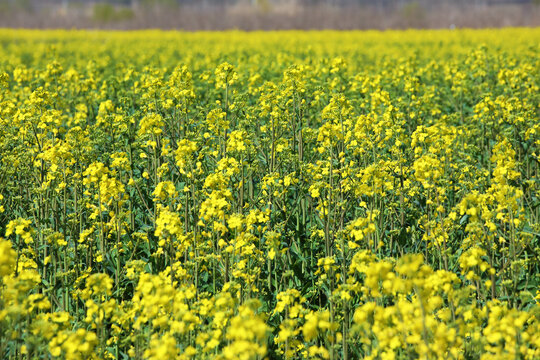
[281, 195]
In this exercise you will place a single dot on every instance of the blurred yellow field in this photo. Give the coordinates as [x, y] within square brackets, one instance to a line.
[332, 195]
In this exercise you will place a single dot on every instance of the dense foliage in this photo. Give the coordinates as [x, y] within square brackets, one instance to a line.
[270, 195]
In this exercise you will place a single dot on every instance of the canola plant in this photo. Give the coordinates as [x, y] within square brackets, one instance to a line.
[295, 195]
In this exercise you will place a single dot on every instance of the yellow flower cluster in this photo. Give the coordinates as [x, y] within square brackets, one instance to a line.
[299, 195]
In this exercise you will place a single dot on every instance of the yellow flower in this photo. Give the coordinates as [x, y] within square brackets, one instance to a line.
[7, 258]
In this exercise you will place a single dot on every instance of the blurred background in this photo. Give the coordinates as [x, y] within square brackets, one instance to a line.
[268, 14]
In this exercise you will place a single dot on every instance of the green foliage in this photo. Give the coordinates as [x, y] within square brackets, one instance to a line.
[106, 13]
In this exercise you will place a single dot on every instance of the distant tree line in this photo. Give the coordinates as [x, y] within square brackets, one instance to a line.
[268, 14]
[375, 3]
